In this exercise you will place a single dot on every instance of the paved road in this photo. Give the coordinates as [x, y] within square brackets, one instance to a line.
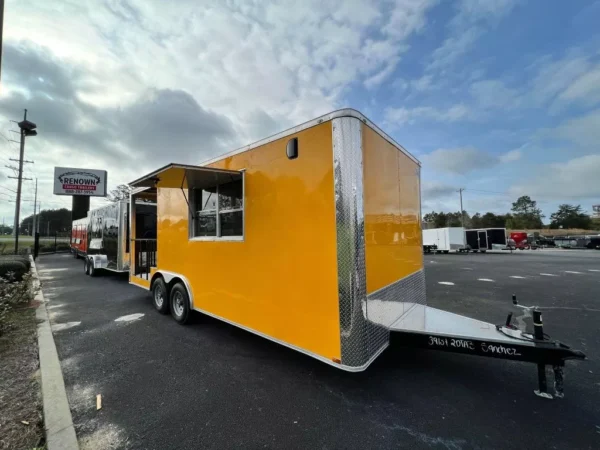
[210, 385]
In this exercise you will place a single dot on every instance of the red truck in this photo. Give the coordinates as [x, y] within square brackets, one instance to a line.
[519, 240]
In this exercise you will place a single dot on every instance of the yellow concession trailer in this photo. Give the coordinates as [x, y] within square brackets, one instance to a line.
[310, 238]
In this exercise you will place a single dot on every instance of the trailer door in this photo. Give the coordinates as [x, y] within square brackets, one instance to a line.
[482, 235]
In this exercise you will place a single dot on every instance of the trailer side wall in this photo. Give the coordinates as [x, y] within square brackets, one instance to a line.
[393, 241]
[281, 280]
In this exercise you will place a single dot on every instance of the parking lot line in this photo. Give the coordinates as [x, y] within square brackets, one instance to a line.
[448, 283]
[548, 275]
[517, 276]
[572, 271]
[593, 270]
[485, 279]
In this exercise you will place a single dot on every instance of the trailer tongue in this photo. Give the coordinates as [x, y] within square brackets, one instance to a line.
[431, 328]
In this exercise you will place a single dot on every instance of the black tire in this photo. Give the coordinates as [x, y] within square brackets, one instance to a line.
[446, 252]
[160, 296]
[85, 266]
[180, 303]
[92, 271]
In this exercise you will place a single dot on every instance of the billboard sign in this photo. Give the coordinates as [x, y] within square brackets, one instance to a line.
[70, 181]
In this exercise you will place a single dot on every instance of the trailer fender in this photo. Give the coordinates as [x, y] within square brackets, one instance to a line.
[171, 278]
[98, 261]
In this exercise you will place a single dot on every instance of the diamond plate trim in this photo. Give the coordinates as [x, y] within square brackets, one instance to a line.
[388, 304]
[357, 334]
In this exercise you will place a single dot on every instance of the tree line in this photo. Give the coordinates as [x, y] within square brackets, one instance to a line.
[524, 214]
[51, 221]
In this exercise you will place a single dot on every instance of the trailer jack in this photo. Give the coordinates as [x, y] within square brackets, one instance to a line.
[431, 328]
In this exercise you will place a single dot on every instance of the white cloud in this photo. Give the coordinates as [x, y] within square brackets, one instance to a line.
[461, 161]
[487, 10]
[471, 21]
[556, 75]
[576, 179]
[381, 76]
[494, 94]
[422, 84]
[114, 73]
[584, 89]
[401, 116]
[511, 156]
[582, 131]
[454, 47]
[432, 190]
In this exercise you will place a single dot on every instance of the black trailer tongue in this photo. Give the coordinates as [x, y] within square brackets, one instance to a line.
[431, 328]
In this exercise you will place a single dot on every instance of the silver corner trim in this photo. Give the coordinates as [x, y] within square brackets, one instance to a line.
[345, 112]
[355, 331]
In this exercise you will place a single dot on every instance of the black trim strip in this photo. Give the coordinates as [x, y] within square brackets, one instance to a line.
[542, 352]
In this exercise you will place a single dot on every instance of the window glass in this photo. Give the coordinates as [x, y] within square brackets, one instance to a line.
[228, 200]
[232, 223]
[231, 195]
[205, 224]
[207, 199]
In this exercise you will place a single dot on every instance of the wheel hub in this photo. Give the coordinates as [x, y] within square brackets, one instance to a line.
[178, 304]
[158, 297]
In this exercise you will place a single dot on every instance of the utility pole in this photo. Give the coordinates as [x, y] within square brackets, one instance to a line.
[34, 205]
[39, 216]
[462, 214]
[27, 129]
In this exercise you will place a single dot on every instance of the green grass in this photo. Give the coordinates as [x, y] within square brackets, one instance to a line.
[7, 243]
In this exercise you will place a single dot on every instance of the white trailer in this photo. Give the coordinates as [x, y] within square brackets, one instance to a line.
[445, 239]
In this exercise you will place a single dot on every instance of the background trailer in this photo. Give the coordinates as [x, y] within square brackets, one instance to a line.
[477, 240]
[310, 238]
[496, 236]
[445, 239]
[107, 236]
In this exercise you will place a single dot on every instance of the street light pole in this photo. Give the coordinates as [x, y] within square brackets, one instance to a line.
[20, 180]
[462, 214]
[34, 206]
[27, 129]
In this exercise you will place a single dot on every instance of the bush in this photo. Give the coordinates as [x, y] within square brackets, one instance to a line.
[13, 294]
[12, 270]
[20, 258]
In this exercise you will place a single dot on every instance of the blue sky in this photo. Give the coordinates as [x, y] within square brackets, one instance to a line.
[501, 97]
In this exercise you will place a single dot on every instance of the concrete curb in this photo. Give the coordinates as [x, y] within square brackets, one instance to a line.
[58, 423]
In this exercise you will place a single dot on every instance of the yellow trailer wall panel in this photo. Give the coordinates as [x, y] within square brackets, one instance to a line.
[393, 248]
[281, 280]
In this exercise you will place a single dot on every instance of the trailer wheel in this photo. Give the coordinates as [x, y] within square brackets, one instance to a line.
[85, 266]
[180, 303]
[446, 252]
[91, 270]
[160, 297]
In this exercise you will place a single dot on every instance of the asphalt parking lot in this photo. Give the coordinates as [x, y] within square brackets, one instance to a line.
[211, 385]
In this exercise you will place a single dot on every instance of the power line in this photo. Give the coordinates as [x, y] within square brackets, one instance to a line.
[487, 192]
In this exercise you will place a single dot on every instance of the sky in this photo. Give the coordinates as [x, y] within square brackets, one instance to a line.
[499, 97]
